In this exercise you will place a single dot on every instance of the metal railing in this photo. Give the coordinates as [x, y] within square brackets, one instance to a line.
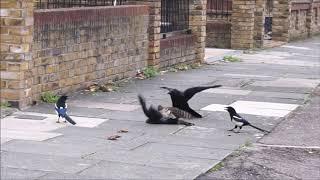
[51, 4]
[219, 8]
[174, 15]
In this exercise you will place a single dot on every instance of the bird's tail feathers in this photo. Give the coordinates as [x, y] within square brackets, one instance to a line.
[163, 87]
[215, 86]
[259, 128]
[69, 119]
[143, 105]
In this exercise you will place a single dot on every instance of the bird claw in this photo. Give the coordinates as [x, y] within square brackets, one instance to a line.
[57, 121]
[65, 121]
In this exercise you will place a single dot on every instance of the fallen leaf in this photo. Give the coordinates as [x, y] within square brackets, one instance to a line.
[114, 137]
[123, 131]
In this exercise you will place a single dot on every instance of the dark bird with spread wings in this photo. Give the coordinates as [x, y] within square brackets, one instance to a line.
[240, 121]
[180, 99]
[160, 115]
[61, 109]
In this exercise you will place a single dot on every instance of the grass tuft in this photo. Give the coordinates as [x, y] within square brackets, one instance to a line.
[49, 97]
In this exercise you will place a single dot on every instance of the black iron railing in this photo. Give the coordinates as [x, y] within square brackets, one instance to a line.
[174, 15]
[51, 4]
[219, 8]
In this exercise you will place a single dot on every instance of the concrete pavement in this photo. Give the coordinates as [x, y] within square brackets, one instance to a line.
[290, 151]
[265, 86]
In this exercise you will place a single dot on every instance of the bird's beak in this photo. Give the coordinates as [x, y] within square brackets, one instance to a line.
[225, 108]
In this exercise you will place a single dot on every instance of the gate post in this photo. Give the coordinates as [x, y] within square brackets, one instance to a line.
[281, 20]
[242, 20]
[197, 23]
[16, 52]
[259, 20]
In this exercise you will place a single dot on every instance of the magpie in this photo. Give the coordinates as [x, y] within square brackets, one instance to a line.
[160, 115]
[240, 121]
[180, 99]
[61, 109]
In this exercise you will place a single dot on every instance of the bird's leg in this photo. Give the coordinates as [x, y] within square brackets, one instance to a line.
[65, 121]
[235, 127]
[58, 120]
[240, 127]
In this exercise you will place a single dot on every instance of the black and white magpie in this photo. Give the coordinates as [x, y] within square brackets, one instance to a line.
[240, 121]
[180, 99]
[61, 109]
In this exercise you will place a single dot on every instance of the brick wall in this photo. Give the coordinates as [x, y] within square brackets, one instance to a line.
[298, 20]
[177, 49]
[16, 42]
[218, 34]
[315, 18]
[295, 19]
[218, 28]
[64, 50]
[76, 47]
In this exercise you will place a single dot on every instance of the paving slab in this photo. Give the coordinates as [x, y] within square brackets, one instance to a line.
[30, 117]
[194, 165]
[289, 82]
[115, 170]
[227, 91]
[181, 150]
[27, 135]
[56, 176]
[50, 120]
[231, 141]
[44, 162]
[265, 105]
[256, 108]
[43, 148]
[247, 75]
[279, 95]
[14, 173]
[109, 106]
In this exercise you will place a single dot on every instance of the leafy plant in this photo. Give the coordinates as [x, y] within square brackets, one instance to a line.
[49, 97]
[181, 67]
[231, 59]
[195, 65]
[150, 72]
[5, 104]
[217, 167]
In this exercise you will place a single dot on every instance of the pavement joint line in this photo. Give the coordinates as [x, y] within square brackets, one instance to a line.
[231, 149]
[180, 129]
[287, 146]
[141, 145]
[94, 164]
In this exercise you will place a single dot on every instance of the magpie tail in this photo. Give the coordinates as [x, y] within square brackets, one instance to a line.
[259, 128]
[69, 119]
[143, 105]
[215, 86]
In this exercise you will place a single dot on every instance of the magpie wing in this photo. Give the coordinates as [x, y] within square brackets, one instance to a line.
[189, 93]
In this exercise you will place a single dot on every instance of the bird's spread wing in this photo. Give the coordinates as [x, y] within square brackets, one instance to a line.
[189, 93]
[169, 89]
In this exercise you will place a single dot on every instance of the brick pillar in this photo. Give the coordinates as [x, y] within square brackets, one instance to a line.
[16, 52]
[242, 20]
[281, 20]
[153, 29]
[310, 18]
[259, 19]
[197, 24]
